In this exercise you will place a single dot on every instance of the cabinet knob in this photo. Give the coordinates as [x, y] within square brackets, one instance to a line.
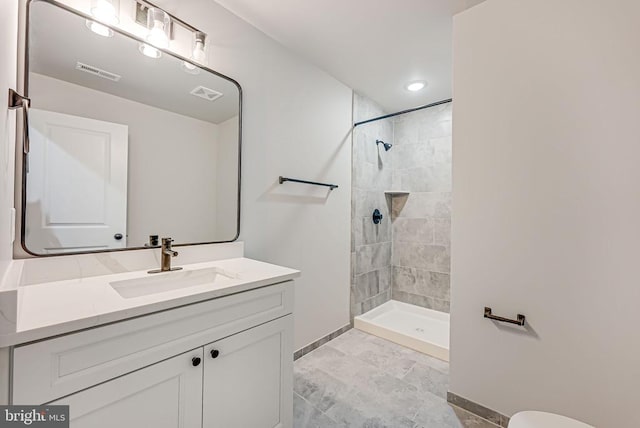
[215, 353]
[195, 361]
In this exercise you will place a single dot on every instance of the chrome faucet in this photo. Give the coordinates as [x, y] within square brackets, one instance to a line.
[165, 257]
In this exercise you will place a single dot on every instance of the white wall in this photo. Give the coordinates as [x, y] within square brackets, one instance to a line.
[162, 187]
[296, 122]
[8, 65]
[546, 207]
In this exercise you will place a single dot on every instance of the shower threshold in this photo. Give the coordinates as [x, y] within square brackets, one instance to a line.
[421, 329]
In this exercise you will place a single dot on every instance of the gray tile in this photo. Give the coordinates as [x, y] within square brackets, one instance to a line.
[424, 204]
[364, 148]
[429, 128]
[319, 388]
[442, 231]
[364, 409]
[405, 131]
[305, 350]
[442, 151]
[365, 232]
[306, 416]
[413, 155]
[371, 177]
[379, 353]
[420, 281]
[367, 200]
[413, 230]
[349, 378]
[435, 258]
[477, 409]
[370, 284]
[437, 413]
[419, 300]
[372, 257]
[376, 301]
[321, 357]
[469, 420]
[428, 379]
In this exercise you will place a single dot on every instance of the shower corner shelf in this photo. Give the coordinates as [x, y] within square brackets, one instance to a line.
[396, 192]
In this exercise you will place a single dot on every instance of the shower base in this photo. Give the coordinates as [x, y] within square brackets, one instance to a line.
[424, 330]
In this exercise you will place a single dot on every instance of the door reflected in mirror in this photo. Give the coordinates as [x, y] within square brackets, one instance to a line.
[122, 145]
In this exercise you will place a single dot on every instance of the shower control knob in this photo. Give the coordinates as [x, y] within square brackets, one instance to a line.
[195, 361]
[377, 216]
[215, 353]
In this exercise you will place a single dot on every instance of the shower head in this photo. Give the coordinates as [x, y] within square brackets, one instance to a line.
[386, 146]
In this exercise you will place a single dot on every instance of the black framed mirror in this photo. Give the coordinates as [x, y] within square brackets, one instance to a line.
[127, 140]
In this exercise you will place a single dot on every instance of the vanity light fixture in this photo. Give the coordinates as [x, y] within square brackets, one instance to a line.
[415, 86]
[161, 26]
[104, 11]
[198, 54]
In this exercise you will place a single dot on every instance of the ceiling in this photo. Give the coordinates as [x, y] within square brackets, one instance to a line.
[373, 46]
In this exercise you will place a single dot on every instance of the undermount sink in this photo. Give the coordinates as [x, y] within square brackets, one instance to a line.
[172, 280]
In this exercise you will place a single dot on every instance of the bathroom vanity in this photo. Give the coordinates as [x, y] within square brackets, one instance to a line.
[128, 142]
[206, 346]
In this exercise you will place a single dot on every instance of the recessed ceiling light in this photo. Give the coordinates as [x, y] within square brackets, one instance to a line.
[415, 86]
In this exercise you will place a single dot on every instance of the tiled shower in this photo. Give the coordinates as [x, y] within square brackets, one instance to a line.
[407, 256]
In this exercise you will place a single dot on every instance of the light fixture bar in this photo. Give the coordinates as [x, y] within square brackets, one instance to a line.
[142, 6]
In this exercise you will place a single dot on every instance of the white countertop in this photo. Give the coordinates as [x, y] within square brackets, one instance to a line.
[54, 308]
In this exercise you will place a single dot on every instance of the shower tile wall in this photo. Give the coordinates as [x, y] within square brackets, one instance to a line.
[422, 220]
[370, 244]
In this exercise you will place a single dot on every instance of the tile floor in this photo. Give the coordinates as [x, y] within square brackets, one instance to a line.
[359, 380]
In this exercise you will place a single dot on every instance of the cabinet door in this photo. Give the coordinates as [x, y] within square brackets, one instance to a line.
[165, 395]
[248, 378]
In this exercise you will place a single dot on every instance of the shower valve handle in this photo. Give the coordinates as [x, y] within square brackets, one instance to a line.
[377, 216]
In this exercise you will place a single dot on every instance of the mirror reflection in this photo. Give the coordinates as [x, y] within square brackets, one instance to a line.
[123, 145]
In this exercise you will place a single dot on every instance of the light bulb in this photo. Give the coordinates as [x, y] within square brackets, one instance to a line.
[99, 29]
[157, 36]
[106, 10]
[158, 23]
[199, 55]
[150, 51]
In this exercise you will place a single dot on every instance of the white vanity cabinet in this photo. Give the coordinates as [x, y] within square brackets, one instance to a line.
[167, 394]
[248, 378]
[225, 362]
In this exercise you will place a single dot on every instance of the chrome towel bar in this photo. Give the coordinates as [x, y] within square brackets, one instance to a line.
[519, 321]
[282, 179]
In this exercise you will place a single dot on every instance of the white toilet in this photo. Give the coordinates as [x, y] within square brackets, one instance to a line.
[533, 419]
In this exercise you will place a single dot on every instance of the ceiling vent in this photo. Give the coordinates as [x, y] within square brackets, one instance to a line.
[206, 93]
[98, 72]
